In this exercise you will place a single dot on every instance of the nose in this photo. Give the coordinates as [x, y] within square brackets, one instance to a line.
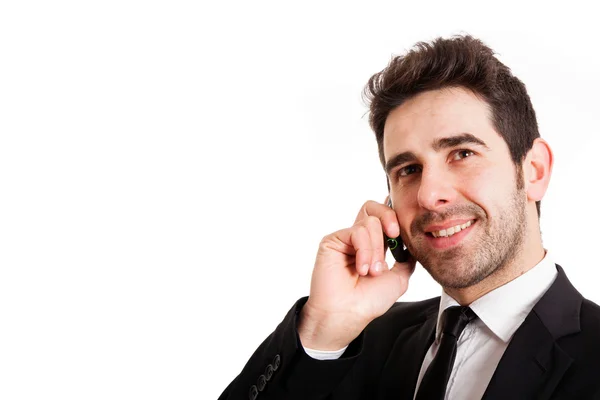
[436, 189]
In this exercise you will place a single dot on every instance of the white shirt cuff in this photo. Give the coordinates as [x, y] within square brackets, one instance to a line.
[325, 354]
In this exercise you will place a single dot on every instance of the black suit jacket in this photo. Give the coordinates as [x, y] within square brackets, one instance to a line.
[555, 354]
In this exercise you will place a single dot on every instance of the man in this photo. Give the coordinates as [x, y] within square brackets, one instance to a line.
[467, 169]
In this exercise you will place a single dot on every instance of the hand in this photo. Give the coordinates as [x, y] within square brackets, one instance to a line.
[351, 283]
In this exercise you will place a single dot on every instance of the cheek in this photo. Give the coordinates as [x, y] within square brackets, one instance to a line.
[487, 188]
[405, 202]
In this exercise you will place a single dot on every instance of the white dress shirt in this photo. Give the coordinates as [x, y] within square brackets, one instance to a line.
[483, 341]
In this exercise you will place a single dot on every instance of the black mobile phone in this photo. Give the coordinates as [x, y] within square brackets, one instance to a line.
[396, 245]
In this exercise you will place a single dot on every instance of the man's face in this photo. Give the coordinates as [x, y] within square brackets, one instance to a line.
[449, 168]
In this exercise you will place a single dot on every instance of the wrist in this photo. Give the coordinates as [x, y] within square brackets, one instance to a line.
[324, 332]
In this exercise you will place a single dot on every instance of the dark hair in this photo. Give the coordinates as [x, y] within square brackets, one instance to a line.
[461, 61]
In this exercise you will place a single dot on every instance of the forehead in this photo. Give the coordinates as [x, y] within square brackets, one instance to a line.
[436, 114]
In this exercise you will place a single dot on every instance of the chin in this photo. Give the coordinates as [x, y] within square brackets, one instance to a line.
[449, 276]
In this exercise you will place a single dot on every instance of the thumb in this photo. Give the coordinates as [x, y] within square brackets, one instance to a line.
[404, 270]
[400, 273]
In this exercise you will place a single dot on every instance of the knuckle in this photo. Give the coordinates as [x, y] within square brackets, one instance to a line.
[373, 221]
[361, 231]
[326, 238]
[379, 244]
[369, 203]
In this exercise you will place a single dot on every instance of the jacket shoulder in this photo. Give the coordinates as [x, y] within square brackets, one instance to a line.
[404, 314]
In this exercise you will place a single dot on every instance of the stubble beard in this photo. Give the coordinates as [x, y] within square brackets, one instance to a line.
[488, 252]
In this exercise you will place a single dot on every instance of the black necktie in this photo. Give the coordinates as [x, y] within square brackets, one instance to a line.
[433, 386]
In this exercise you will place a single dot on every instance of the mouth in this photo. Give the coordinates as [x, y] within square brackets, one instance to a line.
[450, 237]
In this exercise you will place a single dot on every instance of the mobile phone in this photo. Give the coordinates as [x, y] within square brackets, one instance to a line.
[396, 245]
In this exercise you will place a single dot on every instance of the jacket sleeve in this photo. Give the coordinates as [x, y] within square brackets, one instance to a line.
[280, 369]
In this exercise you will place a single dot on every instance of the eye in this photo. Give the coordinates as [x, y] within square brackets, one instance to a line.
[408, 170]
[464, 153]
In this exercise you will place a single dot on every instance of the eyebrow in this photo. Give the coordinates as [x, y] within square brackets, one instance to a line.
[437, 145]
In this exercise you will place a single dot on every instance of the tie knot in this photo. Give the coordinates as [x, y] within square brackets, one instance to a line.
[455, 319]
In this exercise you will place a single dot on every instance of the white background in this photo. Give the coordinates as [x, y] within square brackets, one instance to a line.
[168, 168]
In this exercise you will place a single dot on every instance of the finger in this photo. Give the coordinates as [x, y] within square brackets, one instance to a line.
[386, 215]
[373, 225]
[360, 240]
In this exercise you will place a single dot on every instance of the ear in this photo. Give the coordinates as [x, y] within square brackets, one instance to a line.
[537, 169]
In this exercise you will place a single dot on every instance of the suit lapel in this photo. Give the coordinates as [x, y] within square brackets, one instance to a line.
[402, 368]
[531, 365]
[534, 363]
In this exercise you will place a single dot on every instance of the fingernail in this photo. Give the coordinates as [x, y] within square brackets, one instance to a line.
[378, 266]
[364, 269]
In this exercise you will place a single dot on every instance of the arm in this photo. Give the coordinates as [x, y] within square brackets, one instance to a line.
[291, 373]
[351, 285]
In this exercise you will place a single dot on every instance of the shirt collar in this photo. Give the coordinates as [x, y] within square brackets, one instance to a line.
[505, 308]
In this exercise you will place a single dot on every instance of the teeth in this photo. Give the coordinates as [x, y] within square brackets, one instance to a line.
[451, 231]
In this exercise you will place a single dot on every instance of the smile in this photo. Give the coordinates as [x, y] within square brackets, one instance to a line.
[451, 231]
[449, 237]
